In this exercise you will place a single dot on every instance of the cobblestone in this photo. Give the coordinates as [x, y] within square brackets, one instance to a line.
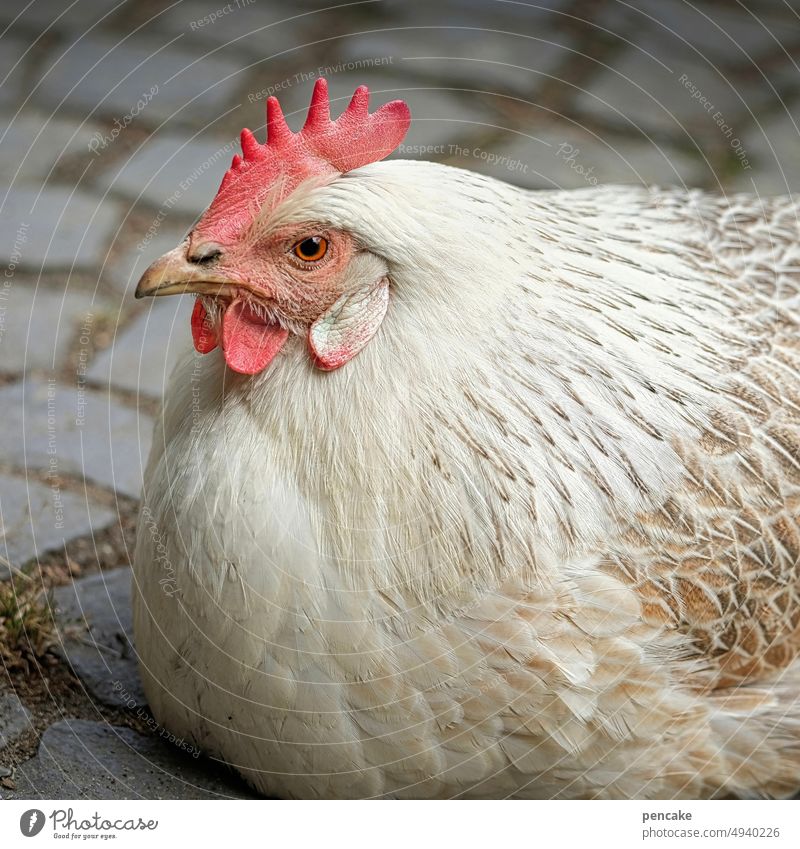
[35, 141]
[14, 718]
[35, 518]
[74, 17]
[94, 616]
[62, 228]
[79, 759]
[726, 34]
[39, 326]
[11, 59]
[645, 93]
[774, 149]
[255, 28]
[505, 62]
[75, 431]
[144, 354]
[124, 272]
[566, 158]
[173, 174]
[113, 77]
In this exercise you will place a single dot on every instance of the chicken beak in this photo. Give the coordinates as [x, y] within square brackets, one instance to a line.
[173, 274]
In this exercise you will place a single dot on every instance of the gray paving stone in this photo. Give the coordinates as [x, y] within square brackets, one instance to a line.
[723, 32]
[773, 151]
[79, 759]
[503, 61]
[144, 354]
[95, 619]
[255, 28]
[29, 154]
[564, 158]
[14, 718]
[35, 518]
[12, 52]
[64, 227]
[640, 92]
[475, 12]
[37, 326]
[112, 76]
[128, 267]
[265, 30]
[72, 17]
[75, 430]
[173, 174]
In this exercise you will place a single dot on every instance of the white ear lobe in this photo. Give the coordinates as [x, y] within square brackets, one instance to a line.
[341, 332]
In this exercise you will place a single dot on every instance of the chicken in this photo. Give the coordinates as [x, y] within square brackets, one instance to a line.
[475, 491]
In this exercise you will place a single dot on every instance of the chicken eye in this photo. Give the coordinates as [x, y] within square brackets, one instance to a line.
[311, 249]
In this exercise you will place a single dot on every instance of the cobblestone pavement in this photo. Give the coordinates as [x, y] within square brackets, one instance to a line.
[117, 120]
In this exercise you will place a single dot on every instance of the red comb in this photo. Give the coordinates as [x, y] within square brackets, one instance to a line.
[322, 147]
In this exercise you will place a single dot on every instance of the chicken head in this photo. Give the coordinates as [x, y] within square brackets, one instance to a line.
[259, 278]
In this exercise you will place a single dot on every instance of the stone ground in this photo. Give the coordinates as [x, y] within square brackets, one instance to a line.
[117, 120]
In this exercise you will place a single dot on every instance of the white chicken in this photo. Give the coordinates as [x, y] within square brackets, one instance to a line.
[539, 538]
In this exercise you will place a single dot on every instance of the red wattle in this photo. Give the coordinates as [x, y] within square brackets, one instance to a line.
[203, 333]
[248, 342]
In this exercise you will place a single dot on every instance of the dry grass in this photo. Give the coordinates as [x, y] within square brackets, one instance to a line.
[27, 630]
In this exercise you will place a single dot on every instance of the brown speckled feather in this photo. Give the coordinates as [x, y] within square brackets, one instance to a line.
[720, 559]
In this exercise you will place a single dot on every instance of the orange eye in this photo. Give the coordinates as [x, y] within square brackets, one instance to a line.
[311, 249]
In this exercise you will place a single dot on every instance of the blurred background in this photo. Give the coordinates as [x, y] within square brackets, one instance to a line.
[118, 119]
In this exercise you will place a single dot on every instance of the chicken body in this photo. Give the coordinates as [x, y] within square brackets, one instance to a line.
[538, 539]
